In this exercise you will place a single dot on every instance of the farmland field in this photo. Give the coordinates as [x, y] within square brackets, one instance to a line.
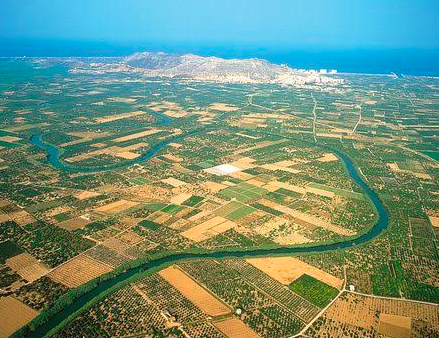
[13, 315]
[168, 207]
[313, 290]
[191, 290]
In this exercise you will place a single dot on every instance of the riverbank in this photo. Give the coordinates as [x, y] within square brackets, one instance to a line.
[70, 306]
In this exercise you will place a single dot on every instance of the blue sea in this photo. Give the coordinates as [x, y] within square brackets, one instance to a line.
[374, 61]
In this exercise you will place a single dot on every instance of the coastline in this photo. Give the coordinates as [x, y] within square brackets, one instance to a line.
[360, 69]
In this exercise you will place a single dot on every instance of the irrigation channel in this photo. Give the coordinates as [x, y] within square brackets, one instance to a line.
[381, 224]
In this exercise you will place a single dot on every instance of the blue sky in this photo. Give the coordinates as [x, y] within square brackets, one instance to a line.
[271, 24]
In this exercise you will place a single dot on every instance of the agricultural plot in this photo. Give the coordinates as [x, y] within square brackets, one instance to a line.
[156, 167]
[173, 182]
[139, 180]
[336, 191]
[208, 229]
[260, 298]
[102, 321]
[105, 254]
[27, 266]
[394, 325]
[312, 289]
[234, 328]
[288, 269]
[172, 209]
[296, 304]
[115, 117]
[149, 224]
[355, 315]
[78, 271]
[234, 211]
[40, 294]
[8, 249]
[74, 223]
[203, 330]
[307, 218]
[194, 292]
[242, 192]
[193, 201]
[116, 207]
[13, 315]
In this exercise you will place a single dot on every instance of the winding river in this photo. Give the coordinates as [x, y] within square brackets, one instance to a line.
[54, 154]
[54, 157]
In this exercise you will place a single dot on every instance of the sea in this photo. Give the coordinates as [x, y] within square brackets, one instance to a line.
[423, 62]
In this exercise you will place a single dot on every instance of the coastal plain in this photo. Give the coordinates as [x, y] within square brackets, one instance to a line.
[101, 171]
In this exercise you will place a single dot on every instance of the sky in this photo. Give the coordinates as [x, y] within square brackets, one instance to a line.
[282, 24]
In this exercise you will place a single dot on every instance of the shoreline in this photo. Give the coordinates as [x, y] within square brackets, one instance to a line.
[391, 73]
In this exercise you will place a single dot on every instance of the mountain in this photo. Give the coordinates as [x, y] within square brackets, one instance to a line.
[151, 60]
[190, 64]
[213, 69]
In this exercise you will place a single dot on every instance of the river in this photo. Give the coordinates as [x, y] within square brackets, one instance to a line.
[380, 225]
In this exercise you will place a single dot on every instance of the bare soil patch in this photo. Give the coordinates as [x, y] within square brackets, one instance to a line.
[235, 328]
[4, 218]
[27, 266]
[115, 117]
[79, 270]
[10, 139]
[434, 221]
[74, 223]
[86, 194]
[128, 155]
[328, 157]
[208, 229]
[395, 326]
[136, 135]
[116, 207]
[181, 198]
[223, 107]
[130, 237]
[287, 269]
[13, 315]
[173, 182]
[22, 217]
[204, 300]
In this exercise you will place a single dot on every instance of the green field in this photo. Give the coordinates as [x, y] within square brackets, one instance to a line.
[205, 164]
[312, 289]
[234, 210]
[193, 201]
[172, 209]
[414, 166]
[432, 154]
[9, 144]
[45, 206]
[154, 206]
[139, 180]
[8, 249]
[149, 224]
[62, 217]
[242, 192]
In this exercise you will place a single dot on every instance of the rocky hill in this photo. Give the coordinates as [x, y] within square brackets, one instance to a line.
[214, 69]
